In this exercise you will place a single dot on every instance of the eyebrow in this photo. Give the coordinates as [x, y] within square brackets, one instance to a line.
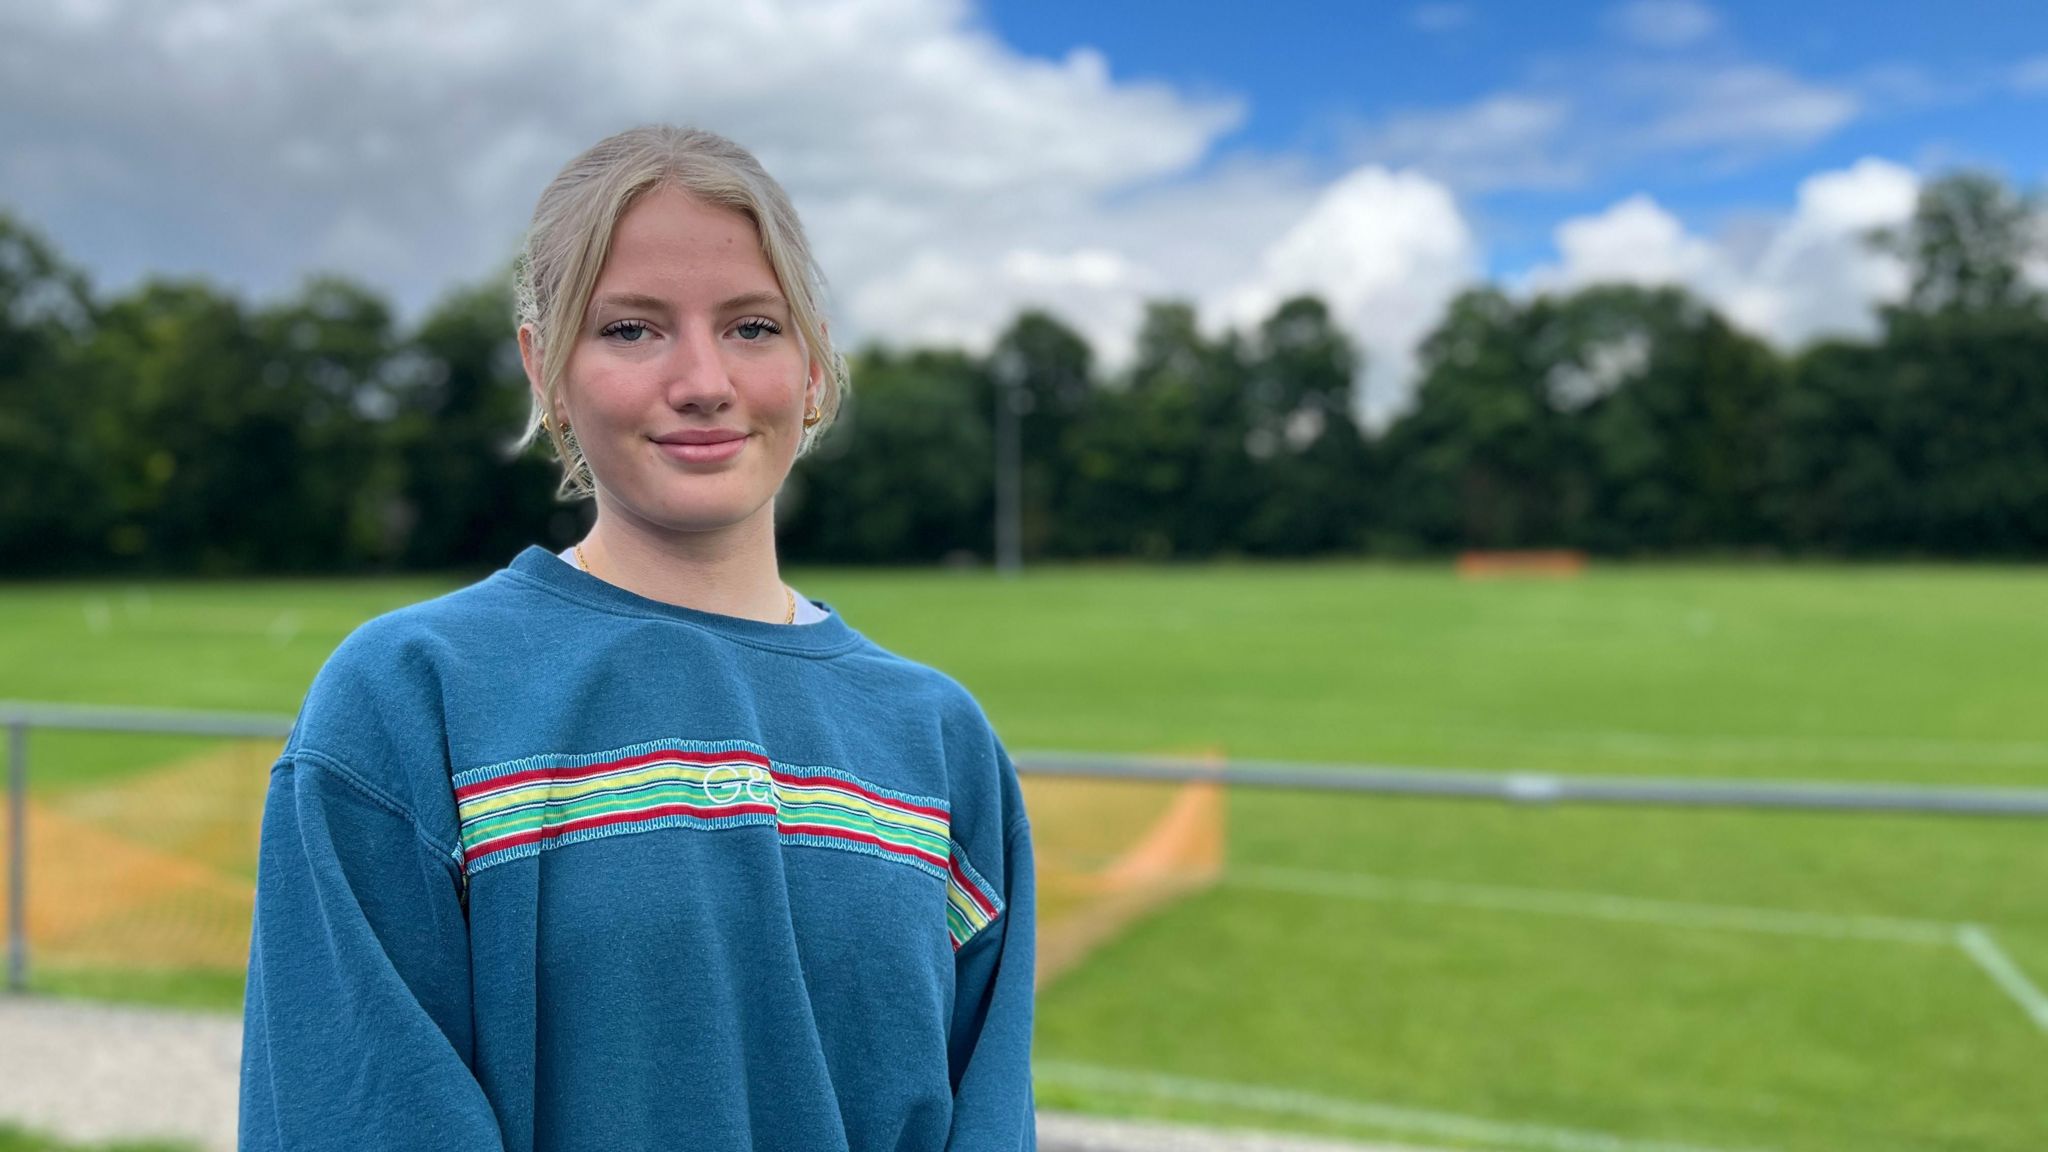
[753, 300]
[641, 302]
[628, 301]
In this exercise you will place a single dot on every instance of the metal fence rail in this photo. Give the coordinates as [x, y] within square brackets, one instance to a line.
[1543, 788]
[1511, 787]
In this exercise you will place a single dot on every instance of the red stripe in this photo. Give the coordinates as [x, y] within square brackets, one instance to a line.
[498, 783]
[515, 839]
[973, 890]
[843, 834]
[891, 801]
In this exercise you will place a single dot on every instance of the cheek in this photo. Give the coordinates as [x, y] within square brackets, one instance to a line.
[604, 394]
[775, 390]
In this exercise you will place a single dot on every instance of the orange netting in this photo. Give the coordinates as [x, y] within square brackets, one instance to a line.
[156, 870]
[1111, 851]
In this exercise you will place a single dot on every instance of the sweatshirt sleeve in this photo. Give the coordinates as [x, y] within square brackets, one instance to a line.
[992, 1007]
[356, 1026]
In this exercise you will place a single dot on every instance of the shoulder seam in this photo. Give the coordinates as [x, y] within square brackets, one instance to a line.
[377, 796]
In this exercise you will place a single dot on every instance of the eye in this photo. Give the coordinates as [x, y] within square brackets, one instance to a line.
[751, 330]
[626, 331]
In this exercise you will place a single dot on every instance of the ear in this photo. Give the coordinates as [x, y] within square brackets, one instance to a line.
[530, 359]
[814, 388]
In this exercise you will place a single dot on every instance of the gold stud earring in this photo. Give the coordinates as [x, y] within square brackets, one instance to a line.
[812, 417]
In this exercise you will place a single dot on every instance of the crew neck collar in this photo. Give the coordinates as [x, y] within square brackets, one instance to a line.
[826, 637]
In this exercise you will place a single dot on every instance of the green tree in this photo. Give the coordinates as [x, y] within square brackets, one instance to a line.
[334, 501]
[1968, 245]
[1930, 441]
[462, 399]
[54, 507]
[1614, 418]
[1679, 424]
[1051, 371]
[1478, 461]
[1308, 458]
[905, 473]
[198, 455]
[1157, 466]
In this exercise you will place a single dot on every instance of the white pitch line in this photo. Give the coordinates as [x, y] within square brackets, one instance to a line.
[1363, 1113]
[1364, 886]
[1977, 943]
[1975, 940]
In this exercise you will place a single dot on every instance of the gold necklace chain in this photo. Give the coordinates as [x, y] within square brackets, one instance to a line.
[788, 617]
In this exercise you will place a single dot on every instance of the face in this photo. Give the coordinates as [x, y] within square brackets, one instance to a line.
[687, 384]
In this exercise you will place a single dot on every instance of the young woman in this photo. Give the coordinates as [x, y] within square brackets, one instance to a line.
[630, 847]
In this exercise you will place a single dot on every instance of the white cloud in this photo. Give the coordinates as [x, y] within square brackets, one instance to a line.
[943, 299]
[255, 139]
[1904, 87]
[2031, 75]
[1633, 242]
[947, 181]
[1745, 105]
[960, 280]
[1386, 251]
[1441, 17]
[1665, 23]
[1578, 121]
[1507, 140]
[1807, 275]
[1819, 275]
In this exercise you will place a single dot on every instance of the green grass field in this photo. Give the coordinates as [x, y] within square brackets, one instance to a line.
[1452, 974]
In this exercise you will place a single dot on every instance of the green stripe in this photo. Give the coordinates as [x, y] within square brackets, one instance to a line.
[963, 916]
[854, 823]
[554, 813]
[802, 794]
[556, 790]
[884, 822]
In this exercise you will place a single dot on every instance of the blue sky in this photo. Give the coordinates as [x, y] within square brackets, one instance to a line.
[1932, 83]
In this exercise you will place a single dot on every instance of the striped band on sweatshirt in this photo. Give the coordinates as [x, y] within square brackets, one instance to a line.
[521, 807]
[971, 902]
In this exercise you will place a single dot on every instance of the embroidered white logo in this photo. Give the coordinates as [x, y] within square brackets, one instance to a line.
[757, 782]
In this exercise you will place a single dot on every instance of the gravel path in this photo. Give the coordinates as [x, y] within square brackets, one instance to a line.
[94, 1072]
[90, 1072]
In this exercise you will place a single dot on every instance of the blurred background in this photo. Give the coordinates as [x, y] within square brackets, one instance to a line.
[1514, 576]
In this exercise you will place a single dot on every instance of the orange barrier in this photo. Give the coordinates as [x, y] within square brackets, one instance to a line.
[1562, 563]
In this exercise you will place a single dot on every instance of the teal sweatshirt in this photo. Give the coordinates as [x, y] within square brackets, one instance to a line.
[548, 865]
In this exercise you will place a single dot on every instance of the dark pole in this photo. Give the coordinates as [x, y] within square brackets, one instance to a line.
[1009, 379]
[17, 857]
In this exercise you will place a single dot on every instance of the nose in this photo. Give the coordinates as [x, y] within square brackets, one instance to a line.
[696, 379]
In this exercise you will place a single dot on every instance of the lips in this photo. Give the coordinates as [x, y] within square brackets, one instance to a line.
[701, 436]
[702, 447]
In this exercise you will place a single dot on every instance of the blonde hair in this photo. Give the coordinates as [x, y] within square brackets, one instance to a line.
[571, 234]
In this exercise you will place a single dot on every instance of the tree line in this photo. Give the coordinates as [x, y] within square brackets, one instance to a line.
[173, 428]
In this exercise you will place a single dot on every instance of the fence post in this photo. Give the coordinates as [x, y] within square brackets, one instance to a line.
[17, 857]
